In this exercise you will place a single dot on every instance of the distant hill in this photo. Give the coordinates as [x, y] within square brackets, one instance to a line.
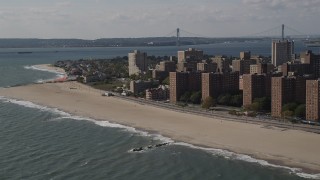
[114, 42]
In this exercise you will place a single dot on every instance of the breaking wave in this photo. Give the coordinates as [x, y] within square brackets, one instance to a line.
[217, 152]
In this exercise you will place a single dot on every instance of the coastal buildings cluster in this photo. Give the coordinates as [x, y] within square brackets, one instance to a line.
[283, 85]
[284, 79]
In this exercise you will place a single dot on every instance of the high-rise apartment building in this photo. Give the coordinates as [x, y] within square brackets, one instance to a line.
[138, 62]
[242, 66]
[282, 52]
[300, 88]
[215, 84]
[181, 82]
[305, 57]
[315, 63]
[282, 92]
[223, 64]
[286, 90]
[255, 86]
[190, 55]
[169, 66]
[207, 67]
[309, 64]
[297, 69]
[261, 68]
[245, 55]
[313, 100]
[187, 66]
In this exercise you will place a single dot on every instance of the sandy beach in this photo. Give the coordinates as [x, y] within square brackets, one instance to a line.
[291, 148]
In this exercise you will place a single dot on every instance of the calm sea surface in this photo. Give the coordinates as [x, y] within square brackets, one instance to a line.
[44, 143]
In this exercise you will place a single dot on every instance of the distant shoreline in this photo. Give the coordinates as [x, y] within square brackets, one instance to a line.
[120, 42]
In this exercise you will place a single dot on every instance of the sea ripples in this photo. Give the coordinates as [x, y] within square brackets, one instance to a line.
[70, 149]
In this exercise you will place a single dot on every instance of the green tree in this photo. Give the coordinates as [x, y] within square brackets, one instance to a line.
[185, 97]
[254, 107]
[260, 104]
[195, 98]
[289, 107]
[264, 103]
[236, 100]
[208, 102]
[134, 77]
[300, 111]
[166, 81]
[224, 99]
[147, 75]
[287, 114]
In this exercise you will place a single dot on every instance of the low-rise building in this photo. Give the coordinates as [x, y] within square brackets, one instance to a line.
[139, 86]
[160, 93]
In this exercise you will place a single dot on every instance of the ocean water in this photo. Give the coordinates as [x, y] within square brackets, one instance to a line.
[38, 142]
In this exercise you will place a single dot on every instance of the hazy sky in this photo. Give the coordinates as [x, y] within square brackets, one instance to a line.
[91, 19]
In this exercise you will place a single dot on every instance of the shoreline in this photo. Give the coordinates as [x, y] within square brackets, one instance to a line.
[50, 68]
[290, 148]
[188, 128]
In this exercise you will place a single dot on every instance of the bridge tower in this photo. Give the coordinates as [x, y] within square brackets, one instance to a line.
[282, 32]
[178, 37]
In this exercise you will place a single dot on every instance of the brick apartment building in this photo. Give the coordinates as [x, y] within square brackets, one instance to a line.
[207, 67]
[286, 90]
[313, 100]
[297, 69]
[181, 82]
[261, 68]
[245, 55]
[255, 86]
[138, 62]
[215, 84]
[242, 66]
[190, 55]
[223, 63]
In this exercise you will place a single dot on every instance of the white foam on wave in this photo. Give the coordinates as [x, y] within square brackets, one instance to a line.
[213, 151]
[58, 74]
[29, 104]
[308, 176]
[231, 155]
[120, 126]
[44, 69]
[65, 115]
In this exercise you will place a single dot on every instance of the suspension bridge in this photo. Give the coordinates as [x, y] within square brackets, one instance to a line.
[278, 32]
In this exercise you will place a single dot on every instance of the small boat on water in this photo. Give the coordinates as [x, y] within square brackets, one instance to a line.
[24, 52]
